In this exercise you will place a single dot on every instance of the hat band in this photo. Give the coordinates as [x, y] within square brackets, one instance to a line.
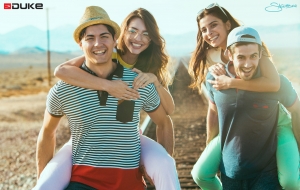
[248, 40]
[95, 18]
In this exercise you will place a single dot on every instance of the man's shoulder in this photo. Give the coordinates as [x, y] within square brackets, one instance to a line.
[285, 84]
[60, 84]
[129, 73]
[283, 79]
[209, 76]
[63, 87]
[57, 85]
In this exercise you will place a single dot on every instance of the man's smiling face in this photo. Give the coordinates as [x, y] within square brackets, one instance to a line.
[245, 60]
[97, 44]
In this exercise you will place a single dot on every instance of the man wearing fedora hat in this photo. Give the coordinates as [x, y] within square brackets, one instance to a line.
[104, 130]
[247, 123]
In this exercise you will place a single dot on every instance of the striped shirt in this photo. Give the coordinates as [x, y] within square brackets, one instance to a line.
[98, 139]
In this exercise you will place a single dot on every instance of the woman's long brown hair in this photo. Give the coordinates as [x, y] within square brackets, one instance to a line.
[153, 59]
[197, 65]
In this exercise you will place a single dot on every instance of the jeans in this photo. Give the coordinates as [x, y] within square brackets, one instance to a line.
[264, 181]
[78, 186]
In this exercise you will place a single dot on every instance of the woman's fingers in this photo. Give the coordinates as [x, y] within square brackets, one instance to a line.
[217, 69]
[137, 79]
[146, 83]
[132, 94]
[221, 82]
[140, 81]
[144, 173]
[221, 69]
[136, 70]
[120, 89]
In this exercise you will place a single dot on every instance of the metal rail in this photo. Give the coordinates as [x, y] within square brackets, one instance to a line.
[189, 121]
[172, 69]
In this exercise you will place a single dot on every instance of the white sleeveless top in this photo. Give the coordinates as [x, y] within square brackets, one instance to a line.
[214, 56]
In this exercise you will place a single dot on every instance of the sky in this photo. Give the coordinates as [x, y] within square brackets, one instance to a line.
[172, 16]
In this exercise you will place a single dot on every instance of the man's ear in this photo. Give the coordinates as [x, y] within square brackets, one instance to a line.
[230, 56]
[115, 41]
[80, 45]
[228, 25]
[260, 53]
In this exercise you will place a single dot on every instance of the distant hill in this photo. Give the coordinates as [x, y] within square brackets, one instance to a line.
[34, 57]
[28, 50]
[61, 39]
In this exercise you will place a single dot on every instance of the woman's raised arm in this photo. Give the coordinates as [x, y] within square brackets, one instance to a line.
[143, 79]
[70, 72]
[268, 82]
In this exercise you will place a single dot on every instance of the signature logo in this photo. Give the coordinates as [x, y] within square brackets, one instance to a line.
[276, 7]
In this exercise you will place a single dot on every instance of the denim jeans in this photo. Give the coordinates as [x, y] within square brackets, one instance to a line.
[78, 186]
[264, 181]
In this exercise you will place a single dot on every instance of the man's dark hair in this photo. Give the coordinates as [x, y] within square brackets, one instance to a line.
[109, 28]
[231, 48]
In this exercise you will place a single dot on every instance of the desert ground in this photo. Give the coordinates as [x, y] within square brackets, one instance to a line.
[23, 91]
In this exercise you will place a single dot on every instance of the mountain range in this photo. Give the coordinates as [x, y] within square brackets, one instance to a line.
[30, 38]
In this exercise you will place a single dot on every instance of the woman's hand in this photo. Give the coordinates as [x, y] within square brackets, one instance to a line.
[221, 82]
[217, 69]
[121, 90]
[143, 79]
[145, 175]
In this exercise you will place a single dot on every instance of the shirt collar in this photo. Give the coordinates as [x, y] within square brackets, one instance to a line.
[118, 72]
[227, 69]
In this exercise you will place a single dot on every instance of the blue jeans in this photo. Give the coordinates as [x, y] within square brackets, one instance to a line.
[264, 181]
[78, 186]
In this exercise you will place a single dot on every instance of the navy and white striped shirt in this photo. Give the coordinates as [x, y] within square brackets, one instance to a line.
[98, 139]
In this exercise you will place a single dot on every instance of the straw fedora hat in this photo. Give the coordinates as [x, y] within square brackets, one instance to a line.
[95, 15]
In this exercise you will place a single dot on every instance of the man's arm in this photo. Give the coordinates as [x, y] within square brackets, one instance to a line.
[164, 128]
[212, 122]
[46, 142]
[295, 113]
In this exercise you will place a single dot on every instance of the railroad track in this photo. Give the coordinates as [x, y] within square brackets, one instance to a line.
[189, 121]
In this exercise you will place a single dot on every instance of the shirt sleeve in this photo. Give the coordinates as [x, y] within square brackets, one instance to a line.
[152, 101]
[209, 87]
[53, 104]
[287, 92]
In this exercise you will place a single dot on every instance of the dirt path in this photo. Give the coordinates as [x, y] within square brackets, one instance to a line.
[21, 119]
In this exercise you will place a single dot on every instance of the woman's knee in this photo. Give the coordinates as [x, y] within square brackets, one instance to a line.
[165, 162]
[160, 164]
[199, 174]
[195, 175]
[290, 185]
[289, 182]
